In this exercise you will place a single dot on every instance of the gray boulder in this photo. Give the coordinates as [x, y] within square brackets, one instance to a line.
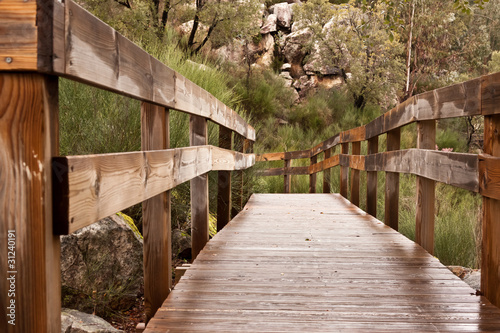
[283, 12]
[294, 50]
[102, 266]
[73, 321]
[270, 25]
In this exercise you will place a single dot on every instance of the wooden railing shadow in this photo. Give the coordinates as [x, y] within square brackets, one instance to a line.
[43, 196]
[477, 173]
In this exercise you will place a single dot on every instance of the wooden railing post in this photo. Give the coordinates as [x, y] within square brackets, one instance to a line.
[356, 150]
[327, 173]
[344, 172]
[490, 263]
[371, 181]
[30, 275]
[312, 176]
[198, 130]
[392, 183]
[424, 227]
[287, 177]
[156, 228]
[224, 182]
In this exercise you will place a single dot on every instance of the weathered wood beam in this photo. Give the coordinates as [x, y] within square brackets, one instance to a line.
[327, 173]
[156, 213]
[224, 182]
[198, 136]
[344, 171]
[312, 176]
[288, 176]
[353, 135]
[371, 180]
[463, 99]
[457, 169]
[95, 186]
[30, 284]
[68, 41]
[19, 37]
[426, 192]
[355, 150]
[392, 183]
[490, 263]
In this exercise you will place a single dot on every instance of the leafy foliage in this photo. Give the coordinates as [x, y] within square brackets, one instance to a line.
[356, 41]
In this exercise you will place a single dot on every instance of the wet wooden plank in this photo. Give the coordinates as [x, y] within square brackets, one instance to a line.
[316, 263]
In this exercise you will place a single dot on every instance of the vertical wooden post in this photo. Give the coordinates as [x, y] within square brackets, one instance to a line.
[288, 177]
[327, 173]
[424, 226]
[198, 130]
[344, 172]
[371, 181]
[490, 263]
[392, 183]
[356, 150]
[312, 177]
[224, 182]
[156, 216]
[30, 275]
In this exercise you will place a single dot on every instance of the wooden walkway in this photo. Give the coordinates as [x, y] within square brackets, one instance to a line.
[316, 263]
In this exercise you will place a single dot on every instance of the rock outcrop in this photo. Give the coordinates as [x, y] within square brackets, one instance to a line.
[102, 266]
[282, 37]
[74, 321]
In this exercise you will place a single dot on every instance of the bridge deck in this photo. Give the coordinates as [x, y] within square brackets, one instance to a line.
[316, 263]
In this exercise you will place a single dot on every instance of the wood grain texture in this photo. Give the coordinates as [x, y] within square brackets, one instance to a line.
[426, 192]
[463, 99]
[327, 173]
[198, 135]
[28, 140]
[156, 213]
[353, 135]
[97, 55]
[489, 176]
[95, 186]
[224, 182]
[288, 176]
[490, 263]
[392, 183]
[19, 37]
[312, 175]
[344, 171]
[490, 93]
[316, 263]
[371, 180]
[355, 150]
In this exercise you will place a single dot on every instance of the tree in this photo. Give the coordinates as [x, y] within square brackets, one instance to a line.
[357, 42]
[226, 20]
[441, 42]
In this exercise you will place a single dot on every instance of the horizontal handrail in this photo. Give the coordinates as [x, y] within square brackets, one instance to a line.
[89, 188]
[471, 98]
[83, 48]
[457, 169]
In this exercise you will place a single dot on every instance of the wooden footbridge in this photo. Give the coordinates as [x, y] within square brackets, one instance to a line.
[286, 262]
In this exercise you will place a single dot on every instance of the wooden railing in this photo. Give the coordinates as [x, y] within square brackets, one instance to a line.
[477, 173]
[43, 196]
